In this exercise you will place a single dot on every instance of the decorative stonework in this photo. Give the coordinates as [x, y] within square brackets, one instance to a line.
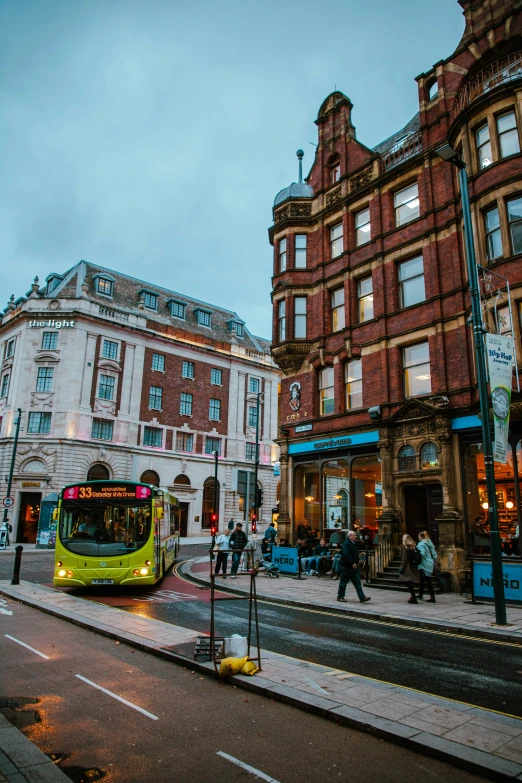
[105, 406]
[361, 179]
[296, 209]
[416, 428]
[290, 356]
[42, 399]
[333, 197]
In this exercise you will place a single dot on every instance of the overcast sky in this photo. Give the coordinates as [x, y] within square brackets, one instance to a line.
[151, 136]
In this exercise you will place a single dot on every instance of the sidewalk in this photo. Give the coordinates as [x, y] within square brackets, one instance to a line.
[20, 760]
[452, 612]
[475, 739]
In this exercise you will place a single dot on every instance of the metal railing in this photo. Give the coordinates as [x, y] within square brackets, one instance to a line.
[398, 154]
[378, 558]
[500, 72]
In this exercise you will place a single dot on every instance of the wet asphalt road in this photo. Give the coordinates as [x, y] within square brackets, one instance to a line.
[190, 719]
[478, 672]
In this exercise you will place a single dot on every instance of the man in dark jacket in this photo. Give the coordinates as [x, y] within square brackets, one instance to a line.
[237, 540]
[350, 569]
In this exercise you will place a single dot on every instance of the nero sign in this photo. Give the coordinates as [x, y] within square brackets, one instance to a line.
[285, 558]
[483, 580]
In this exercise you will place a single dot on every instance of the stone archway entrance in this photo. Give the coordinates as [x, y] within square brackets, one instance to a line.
[422, 506]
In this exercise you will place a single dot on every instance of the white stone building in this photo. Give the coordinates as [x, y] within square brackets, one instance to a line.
[118, 378]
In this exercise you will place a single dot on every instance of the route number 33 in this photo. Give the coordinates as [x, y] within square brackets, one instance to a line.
[85, 492]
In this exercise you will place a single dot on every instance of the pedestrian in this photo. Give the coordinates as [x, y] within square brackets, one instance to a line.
[350, 569]
[223, 547]
[429, 555]
[270, 534]
[238, 540]
[409, 570]
[231, 525]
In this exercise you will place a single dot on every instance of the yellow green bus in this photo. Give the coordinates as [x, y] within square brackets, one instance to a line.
[115, 533]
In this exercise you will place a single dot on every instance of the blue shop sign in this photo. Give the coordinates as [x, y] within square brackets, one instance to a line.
[483, 579]
[285, 558]
[344, 441]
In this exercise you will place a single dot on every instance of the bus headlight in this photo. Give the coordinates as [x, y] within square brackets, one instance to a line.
[147, 562]
[69, 574]
[59, 564]
[61, 572]
[144, 571]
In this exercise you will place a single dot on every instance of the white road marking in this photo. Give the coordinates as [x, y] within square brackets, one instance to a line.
[28, 647]
[252, 770]
[119, 698]
[3, 604]
[166, 595]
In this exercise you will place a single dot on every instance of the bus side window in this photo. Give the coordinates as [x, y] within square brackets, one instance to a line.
[173, 514]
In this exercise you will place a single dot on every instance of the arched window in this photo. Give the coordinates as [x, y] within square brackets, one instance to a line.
[208, 501]
[429, 455]
[407, 458]
[433, 90]
[183, 480]
[34, 466]
[98, 472]
[150, 477]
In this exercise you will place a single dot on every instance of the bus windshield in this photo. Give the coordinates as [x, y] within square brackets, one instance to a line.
[104, 529]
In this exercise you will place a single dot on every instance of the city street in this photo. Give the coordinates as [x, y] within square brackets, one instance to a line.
[480, 672]
[173, 724]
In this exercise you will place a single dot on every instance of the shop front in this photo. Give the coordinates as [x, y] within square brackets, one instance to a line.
[337, 484]
[507, 491]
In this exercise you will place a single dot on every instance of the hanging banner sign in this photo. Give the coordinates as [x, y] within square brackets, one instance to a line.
[500, 352]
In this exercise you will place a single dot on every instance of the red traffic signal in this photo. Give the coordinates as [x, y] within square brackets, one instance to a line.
[254, 523]
[213, 524]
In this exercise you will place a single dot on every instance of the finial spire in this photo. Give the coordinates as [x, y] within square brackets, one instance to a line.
[300, 155]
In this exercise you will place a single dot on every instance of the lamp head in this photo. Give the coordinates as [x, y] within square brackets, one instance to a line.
[446, 152]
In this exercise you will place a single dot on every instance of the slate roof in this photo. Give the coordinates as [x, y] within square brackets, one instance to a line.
[126, 296]
[412, 127]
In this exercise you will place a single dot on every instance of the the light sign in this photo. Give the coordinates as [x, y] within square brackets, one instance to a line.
[107, 492]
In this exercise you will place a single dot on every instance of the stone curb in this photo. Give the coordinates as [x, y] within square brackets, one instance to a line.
[365, 614]
[470, 759]
[21, 760]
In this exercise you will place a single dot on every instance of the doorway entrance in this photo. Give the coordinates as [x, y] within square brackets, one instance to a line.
[422, 506]
[28, 517]
[183, 521]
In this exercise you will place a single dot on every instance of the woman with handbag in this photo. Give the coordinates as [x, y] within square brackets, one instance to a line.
[409, 570]
[429, 557]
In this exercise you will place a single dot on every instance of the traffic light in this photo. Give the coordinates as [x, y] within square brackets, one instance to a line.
[259, 497]
[254, 523]
[213, 524]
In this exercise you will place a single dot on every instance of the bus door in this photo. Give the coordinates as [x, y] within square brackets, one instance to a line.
[158, 514]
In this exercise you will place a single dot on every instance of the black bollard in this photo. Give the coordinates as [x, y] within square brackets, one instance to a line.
[18, 560]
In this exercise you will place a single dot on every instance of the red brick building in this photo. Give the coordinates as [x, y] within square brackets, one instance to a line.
[378, 403]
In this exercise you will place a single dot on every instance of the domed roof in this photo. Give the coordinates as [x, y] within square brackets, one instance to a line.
[296, 189]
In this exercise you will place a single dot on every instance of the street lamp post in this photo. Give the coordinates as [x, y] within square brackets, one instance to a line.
[256, 465]
[11, 469]
[448, 153]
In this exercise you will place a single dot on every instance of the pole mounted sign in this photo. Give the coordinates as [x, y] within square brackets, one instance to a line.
[500, 367]
[8, 501]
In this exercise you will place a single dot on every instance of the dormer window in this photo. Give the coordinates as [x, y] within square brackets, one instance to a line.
[203, 317]
[177, 309]
[150, 300]
[104, 286]
[238, 327]
[53, 280]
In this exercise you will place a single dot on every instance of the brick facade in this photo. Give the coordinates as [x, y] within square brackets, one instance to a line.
[462, 100]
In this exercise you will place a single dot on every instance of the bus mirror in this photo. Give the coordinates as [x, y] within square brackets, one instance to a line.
[55, 515]
[159, 513]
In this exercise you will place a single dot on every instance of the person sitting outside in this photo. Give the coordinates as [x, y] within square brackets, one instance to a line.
[313, 564]
[270, 534]
[237, 542]
[304, 553]
[304, 530]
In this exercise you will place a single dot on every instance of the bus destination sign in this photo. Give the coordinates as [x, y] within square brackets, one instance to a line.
[107, 492]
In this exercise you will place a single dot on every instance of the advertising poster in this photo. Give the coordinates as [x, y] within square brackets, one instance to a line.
[500, 354]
